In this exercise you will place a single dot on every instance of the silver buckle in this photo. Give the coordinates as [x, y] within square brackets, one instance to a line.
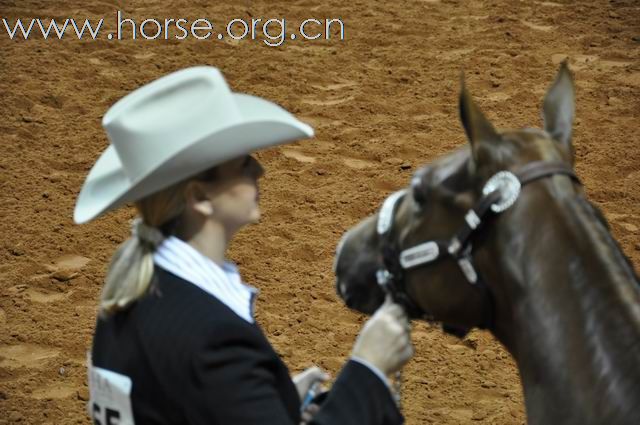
[509, 187]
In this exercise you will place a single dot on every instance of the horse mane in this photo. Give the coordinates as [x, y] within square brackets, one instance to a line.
[611, 241]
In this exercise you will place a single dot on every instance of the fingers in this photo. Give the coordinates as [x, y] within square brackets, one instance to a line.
[317, 374]
[407, 353]
[403, 341]
[309, 413]
[313, 409]
[394, 313]
[401, 329]
[323, 377]
[407, 326]
[398, 315]
[394, 309]
[385, 340]
[311, 375]
[306, 417]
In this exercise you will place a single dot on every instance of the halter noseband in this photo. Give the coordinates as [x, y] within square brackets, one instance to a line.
[499, 193]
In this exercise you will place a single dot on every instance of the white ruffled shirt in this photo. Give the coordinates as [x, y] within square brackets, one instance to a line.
[223, 282]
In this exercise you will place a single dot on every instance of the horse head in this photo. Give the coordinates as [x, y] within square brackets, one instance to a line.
[436, 205]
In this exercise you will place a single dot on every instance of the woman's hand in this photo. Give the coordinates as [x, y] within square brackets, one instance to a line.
[385, 339]
[308, 413]
[304, 380]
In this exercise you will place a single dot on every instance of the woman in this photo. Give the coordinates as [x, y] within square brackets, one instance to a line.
[176, 341]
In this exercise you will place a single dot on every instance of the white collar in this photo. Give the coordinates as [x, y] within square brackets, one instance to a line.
[224, 283]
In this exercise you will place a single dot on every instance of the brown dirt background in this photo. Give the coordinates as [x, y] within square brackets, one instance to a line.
[383, 102]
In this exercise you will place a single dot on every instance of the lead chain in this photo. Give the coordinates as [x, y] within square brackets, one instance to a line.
[397, 388]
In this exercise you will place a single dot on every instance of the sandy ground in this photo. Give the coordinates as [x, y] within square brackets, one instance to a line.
[383, 102]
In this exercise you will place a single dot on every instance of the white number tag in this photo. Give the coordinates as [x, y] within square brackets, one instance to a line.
[110, 402]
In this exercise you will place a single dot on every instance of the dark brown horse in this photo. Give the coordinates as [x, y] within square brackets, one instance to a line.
[525, 256]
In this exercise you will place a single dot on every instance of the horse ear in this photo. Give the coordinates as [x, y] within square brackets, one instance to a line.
[479, 130]
[558, 109]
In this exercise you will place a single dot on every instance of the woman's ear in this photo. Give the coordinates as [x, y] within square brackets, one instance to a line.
[197, 199]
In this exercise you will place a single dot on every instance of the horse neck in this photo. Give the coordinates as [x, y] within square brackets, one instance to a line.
[570, 314]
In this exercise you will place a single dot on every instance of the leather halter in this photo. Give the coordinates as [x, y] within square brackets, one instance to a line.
[499, 193]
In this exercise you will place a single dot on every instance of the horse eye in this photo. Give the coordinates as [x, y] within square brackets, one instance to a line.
[417, 190]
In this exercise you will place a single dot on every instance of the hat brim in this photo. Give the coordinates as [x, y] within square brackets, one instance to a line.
[263, 124]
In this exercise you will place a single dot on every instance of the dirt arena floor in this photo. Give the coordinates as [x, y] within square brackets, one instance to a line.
[382, 101]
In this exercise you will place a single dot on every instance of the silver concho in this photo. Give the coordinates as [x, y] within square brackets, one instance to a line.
[508, 185]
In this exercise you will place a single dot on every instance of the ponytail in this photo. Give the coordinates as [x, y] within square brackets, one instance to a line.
[131, 268]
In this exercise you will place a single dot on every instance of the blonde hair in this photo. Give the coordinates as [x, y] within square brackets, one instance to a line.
[131, 268]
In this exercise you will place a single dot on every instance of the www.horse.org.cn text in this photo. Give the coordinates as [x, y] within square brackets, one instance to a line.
[272, 32]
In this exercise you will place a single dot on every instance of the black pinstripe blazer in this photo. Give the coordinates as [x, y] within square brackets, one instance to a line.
[192, 360]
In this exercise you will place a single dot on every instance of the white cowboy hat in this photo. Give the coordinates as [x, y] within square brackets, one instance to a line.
[176, 127]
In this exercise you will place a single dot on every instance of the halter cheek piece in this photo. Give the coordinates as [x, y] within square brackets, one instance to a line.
[499, 193]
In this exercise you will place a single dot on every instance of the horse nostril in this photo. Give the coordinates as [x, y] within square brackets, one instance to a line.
[349, 301]
[341, 289]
